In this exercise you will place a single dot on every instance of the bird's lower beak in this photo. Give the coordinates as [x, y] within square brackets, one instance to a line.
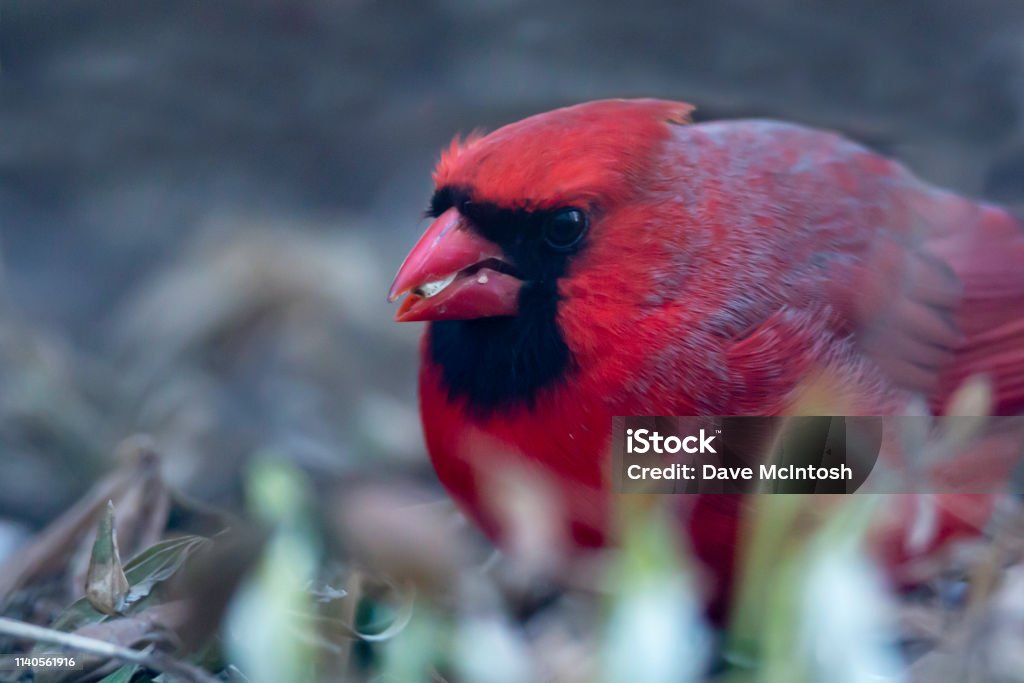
[454, 274]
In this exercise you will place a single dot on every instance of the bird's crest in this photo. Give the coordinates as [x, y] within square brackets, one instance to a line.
[576, 154]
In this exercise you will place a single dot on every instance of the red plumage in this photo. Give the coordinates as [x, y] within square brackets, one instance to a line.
[723, 265]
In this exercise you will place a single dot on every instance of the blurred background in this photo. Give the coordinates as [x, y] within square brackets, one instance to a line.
[202, 204]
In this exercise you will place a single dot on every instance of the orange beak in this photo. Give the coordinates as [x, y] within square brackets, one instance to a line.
[454, 274]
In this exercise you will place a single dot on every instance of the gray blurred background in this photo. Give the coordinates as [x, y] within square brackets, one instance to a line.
[202, 203]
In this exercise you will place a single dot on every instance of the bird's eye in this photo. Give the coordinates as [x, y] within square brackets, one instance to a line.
[564, 229]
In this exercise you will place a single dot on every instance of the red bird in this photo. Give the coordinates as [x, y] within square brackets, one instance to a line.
[613, 259]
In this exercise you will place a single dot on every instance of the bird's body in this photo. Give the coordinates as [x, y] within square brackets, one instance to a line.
[719, 268]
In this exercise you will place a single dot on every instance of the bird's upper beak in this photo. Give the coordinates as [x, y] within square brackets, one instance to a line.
[454, 274]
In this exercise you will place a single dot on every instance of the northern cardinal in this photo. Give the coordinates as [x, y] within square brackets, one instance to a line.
[612, 258]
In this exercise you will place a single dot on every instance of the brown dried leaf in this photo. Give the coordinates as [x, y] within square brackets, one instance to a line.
[146, 572]
[414, 542]
[209, 582]
[106, 586]
[155, 625]
[142, 509]
[47, 555]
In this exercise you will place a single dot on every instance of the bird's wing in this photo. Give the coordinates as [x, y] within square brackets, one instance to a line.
[939, 297]
[987, 255]
[930, 284]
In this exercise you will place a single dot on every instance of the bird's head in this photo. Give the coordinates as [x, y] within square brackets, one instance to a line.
[514, 213]
[514, 206]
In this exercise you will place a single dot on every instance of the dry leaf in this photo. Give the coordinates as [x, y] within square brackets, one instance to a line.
[106, 586]
[142, 509]
[47, 555]
[155, 625]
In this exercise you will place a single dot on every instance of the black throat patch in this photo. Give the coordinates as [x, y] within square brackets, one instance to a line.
[495, 363]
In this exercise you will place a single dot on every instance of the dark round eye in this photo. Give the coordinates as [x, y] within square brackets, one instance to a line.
[564, 229]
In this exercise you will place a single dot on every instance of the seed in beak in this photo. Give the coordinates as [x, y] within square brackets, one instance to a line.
[434, 288]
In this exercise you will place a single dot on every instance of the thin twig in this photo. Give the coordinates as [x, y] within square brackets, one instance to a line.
[156, 661]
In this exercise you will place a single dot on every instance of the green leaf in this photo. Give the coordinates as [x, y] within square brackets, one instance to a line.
[147, 569]
[421, 646]
[654, 630]
[159, 563]
[271, 619]
[804, 567]
[122, 675]
[769, 539]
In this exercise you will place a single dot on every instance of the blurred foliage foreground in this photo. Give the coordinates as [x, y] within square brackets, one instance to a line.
[362, 582]
[338, 572]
